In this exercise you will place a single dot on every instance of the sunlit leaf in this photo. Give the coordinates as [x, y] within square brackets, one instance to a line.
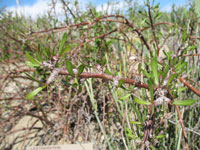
[69, 67]
[80, 69]
[160, 136]
[32, 60]
[154, 67]
[35, 92]
[165, 72]
[108, 72]
[62, 43]
[150, 84]
[121, 82]
[31, 64]
[135, 122]
[184, 102]
[125, 97]
[139, 101]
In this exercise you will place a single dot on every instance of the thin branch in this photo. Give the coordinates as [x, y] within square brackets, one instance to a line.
[153, 29]
[196, 91]
[105, 76]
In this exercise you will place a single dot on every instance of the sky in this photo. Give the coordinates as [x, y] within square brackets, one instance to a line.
[37, 7]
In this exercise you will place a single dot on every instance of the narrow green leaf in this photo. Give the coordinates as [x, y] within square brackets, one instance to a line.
[62, 43]
[31, 77]
[184, 102]
[160, 136]
[35, 92]
[165, 72]
[136, 110]
[31, 64]
[67, 49]
[139, 67]
[69, 67]
[135, 122]
[150, 84]
[80, 69]
[171, 78]
[190, 48]
[66, 83]
[180, 66]
[121, 82]
[31, 59]
[157, 6]
[139, 101]
[125, 97]
[146, 74]
[182, 89]
[154, 67]
[108, 72]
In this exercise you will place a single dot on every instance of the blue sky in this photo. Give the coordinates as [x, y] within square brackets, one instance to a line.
[35, 8]
[164, 3]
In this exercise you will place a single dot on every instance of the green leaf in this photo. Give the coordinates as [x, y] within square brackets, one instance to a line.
[160, 136]
[157, 6]
[61, 48]
[121, 82]
[180, 66]
[146, 74]
[150, 84]
[66, 83]
[125, 97]
[139, 67]
[190, 48]
[136, 110]
[80, 69]
[171, 78]
[32, 60]
[139, 101]
[154, 67]
[35, 92]
[108, 72]
[182, 89]
[135, 122]
[31, 77]
[69, 67]
[31, 64]
[184, 102]
[67, 49]
[164, 74]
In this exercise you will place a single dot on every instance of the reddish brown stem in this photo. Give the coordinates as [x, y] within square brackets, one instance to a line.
[107, 77]
[197, 92]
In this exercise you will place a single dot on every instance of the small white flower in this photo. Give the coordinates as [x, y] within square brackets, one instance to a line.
[75, 71]
[132, 58]
[138, 141]
[115, 83]
[160, 100]
[53, 76]
[147, 143]
[82, 80]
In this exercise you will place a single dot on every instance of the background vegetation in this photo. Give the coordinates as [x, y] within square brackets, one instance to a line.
[120, 78]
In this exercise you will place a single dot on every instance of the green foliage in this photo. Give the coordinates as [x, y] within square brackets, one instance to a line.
[139, 101]
[32, 94]
[69, 68]
[184, 102]
[125, 82]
